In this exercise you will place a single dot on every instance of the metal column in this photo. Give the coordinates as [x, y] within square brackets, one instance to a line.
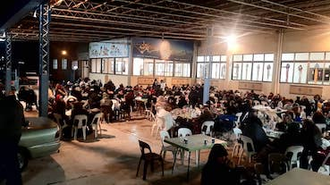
[8, 62]
[44, 21]
[207, 74]
[277, 63]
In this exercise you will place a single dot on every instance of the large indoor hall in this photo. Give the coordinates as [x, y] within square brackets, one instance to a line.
[208, 92]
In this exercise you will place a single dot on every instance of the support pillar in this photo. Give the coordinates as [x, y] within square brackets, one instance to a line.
[207, 71]
[8, 62]
[44, 21]
[277, 64]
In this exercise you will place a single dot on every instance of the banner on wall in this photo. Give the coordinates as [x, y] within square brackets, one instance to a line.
[163, 49]
[107, 50]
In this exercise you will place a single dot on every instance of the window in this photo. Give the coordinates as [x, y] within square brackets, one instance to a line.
[64, 64]
[148, 67]
[138, 66]
[218, 66]
[182, 69]
[108, 65]
[163, 68]
[310, 68]
[253, 67]
[122, 66]
[143, 66]
[96, 65]
[55, 64]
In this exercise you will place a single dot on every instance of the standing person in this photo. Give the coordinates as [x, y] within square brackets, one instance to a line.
[12, 119]
[162, 85]
[311, 141]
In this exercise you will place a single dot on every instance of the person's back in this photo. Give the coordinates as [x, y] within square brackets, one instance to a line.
[252, 128]
[218, 169]
[11, 121]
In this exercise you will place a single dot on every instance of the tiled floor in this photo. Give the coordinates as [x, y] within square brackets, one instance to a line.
[111, 159]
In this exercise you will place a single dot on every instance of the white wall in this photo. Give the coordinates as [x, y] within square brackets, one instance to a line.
[261, 43]
[293, 41]
[254, 43]
[306, 41]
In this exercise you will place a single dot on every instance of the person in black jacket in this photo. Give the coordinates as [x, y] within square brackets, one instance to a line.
[311, 141]
[219, 169]
[252, 128]
[11, 122]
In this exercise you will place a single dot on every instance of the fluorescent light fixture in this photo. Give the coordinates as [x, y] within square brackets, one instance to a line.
[35, 14]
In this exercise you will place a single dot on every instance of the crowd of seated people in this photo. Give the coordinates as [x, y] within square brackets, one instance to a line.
[299, 119]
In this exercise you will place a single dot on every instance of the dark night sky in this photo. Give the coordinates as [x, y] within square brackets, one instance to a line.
[27, 52]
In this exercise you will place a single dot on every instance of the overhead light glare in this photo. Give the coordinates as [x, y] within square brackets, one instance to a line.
[231, 39]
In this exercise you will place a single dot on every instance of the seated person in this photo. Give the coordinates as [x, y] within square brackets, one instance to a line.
[252, 128]
[78, 110]
[291, 137]
[219, 169]
[318, 118]
[287, 119]
[205, 116]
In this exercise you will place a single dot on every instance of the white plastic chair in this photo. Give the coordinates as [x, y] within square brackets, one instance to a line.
[166, 147]
[152, 116]
[256, 102]
[321, 126]
[295, 157]
[238, 115]
[148, 114]
[246, 141]
[59, 120]
[96, 123]
[157, 125]
[237, 146]
[207, 128]
[81, 121]
[264, 103]
[183, 132]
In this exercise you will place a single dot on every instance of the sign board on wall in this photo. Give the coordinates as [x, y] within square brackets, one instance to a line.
[163, 49]
[250, 86]
[180, 81]
[145, 81]
[305, 90]
[107, 50]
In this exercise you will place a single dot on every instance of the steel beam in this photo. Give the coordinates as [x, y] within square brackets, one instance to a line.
[8, 62]
[44, 21]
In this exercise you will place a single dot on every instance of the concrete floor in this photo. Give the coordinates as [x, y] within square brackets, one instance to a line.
[111, 159]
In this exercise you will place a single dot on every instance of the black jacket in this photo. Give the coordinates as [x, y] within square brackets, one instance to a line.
[11, 119]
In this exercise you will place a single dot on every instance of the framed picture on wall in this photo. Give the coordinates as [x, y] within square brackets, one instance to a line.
[257, 71]
[268, 72]
[237, 67]
[300, 71]
[315, 73]
[246, 71]
[286, 72]
[326, 78]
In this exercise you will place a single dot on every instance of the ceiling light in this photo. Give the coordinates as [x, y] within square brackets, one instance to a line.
[64, 52]
[35, 14]
[231, 39]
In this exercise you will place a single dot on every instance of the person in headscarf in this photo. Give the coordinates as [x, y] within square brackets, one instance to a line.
[219, 169]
